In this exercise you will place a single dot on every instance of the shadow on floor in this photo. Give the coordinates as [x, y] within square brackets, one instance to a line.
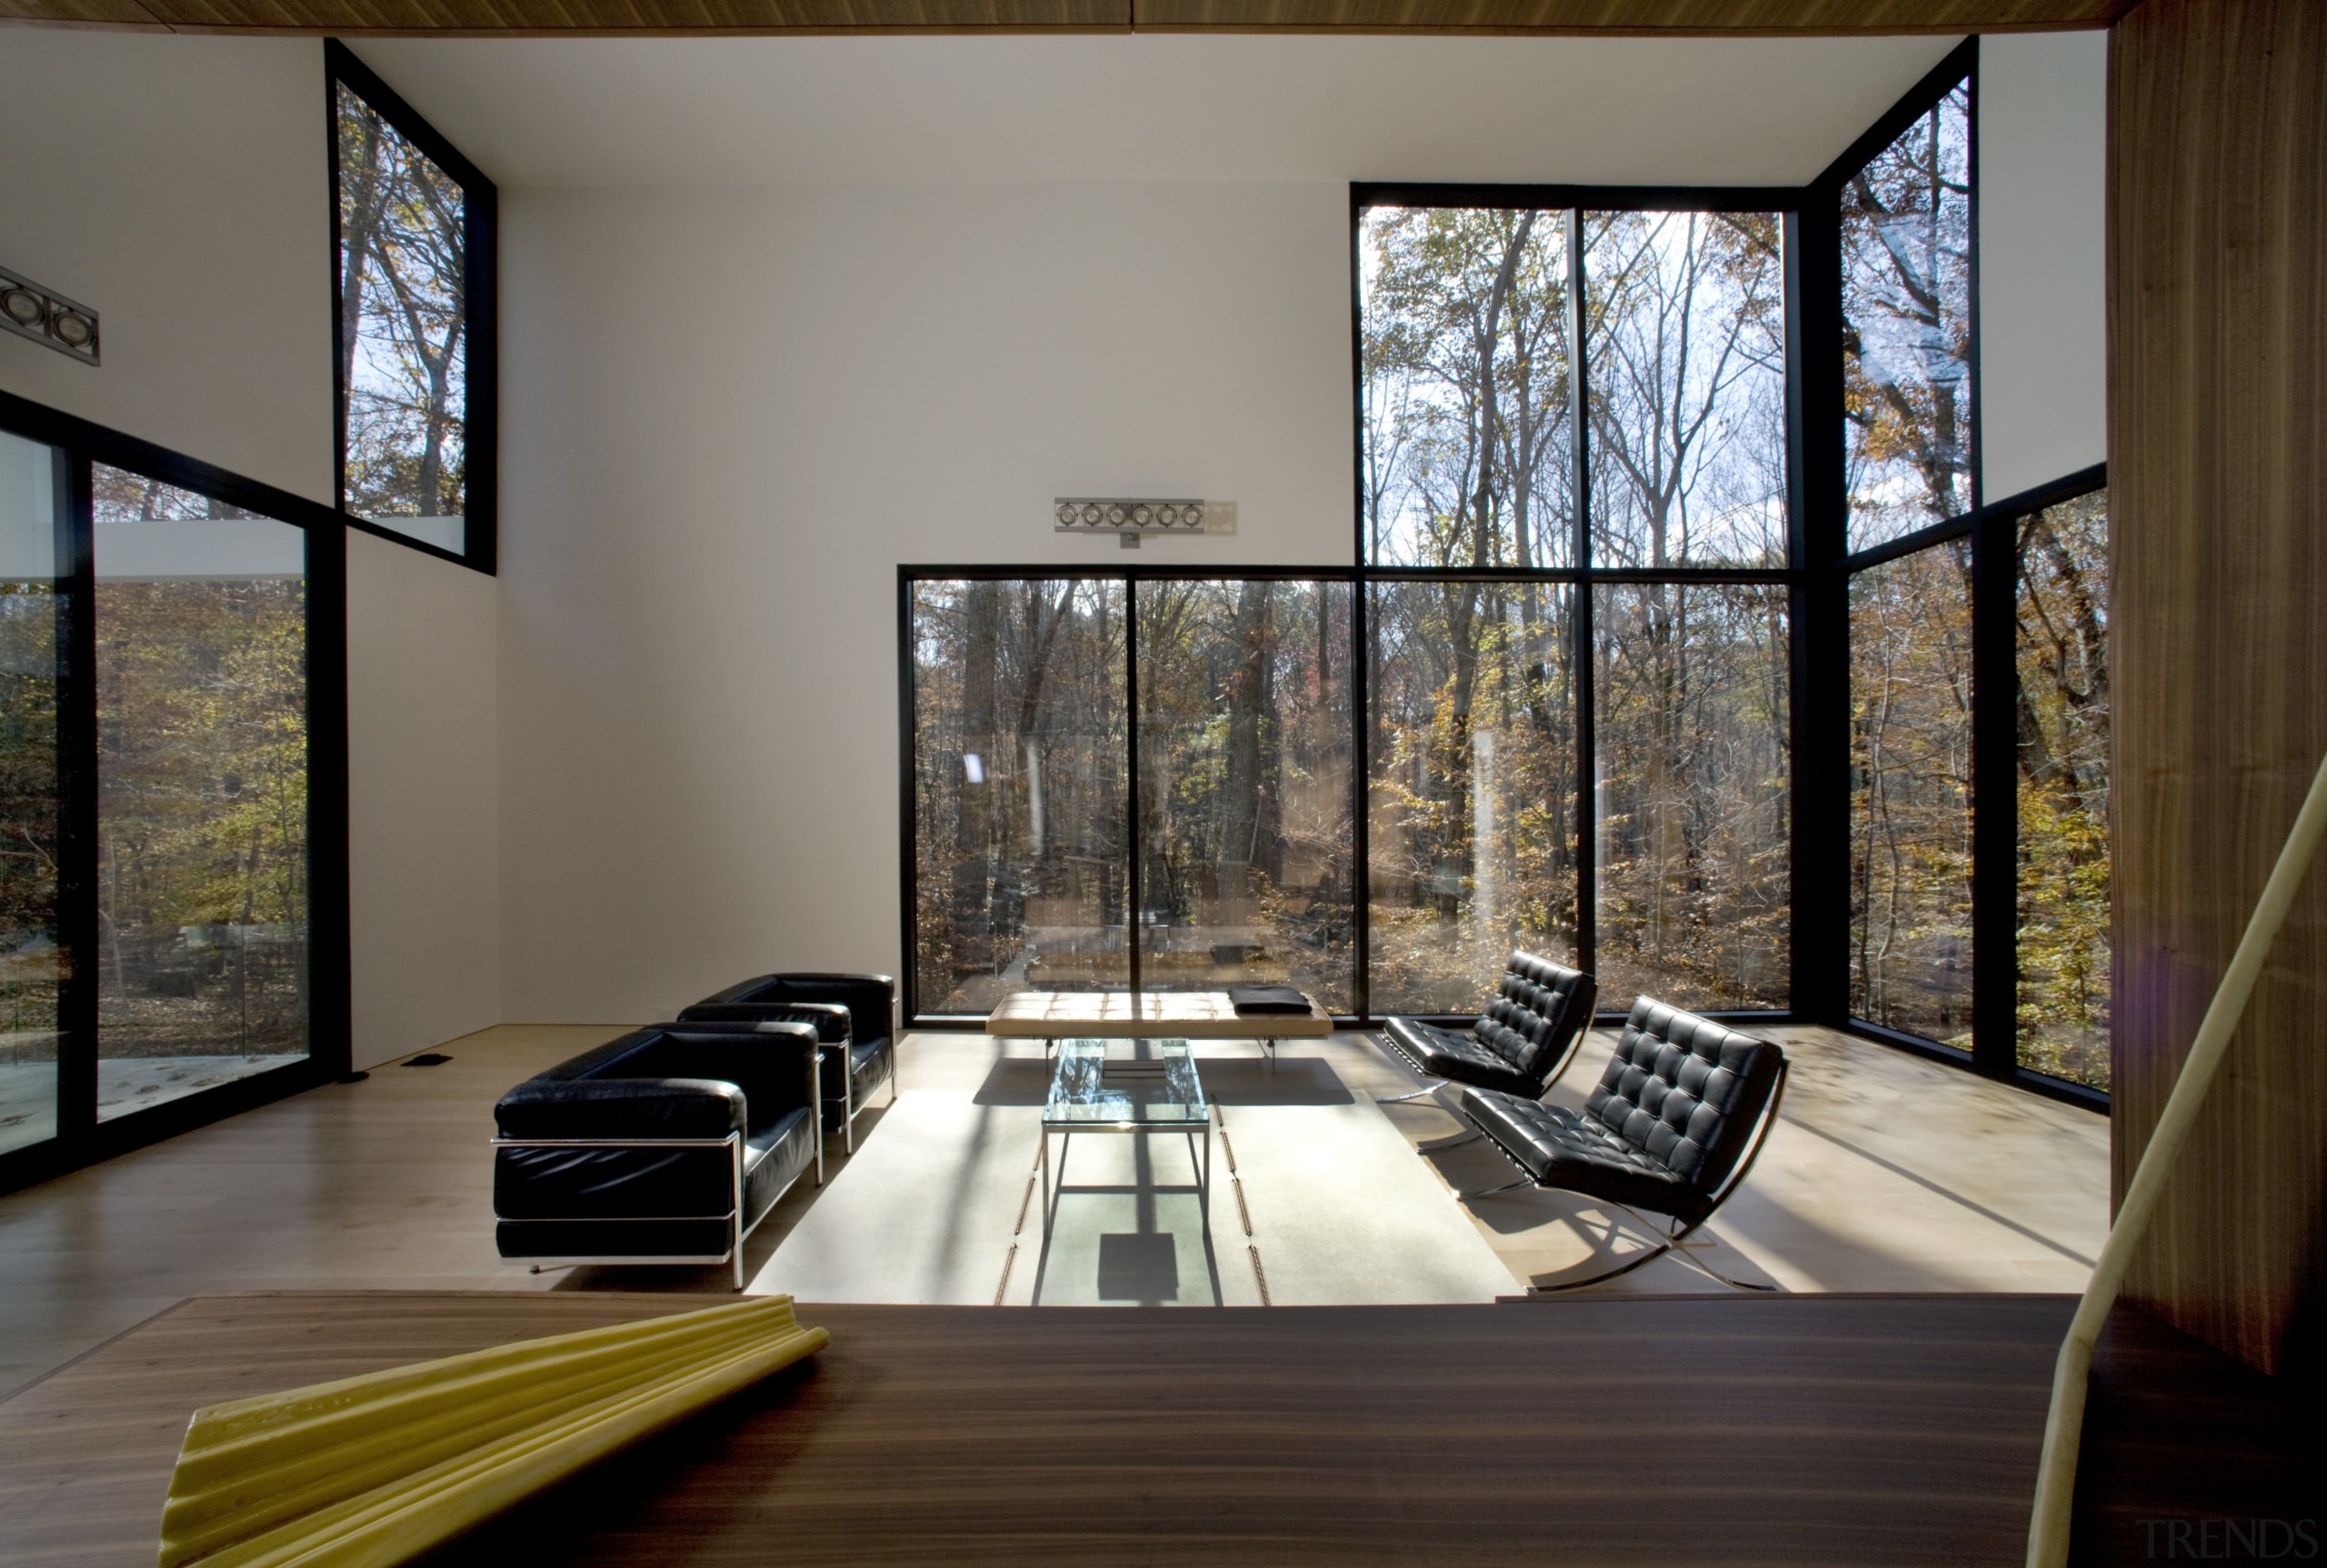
[718, 1279]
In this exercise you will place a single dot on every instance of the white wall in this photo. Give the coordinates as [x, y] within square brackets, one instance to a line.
[423, 791]
[2044, 376]
[730, 414]
[180, 186]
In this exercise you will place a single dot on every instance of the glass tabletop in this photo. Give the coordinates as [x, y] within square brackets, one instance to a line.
[1137, 1084]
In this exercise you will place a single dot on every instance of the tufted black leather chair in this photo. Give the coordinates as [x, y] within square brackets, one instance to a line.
[669, 1144]
[1672, 1127]
[851, 1015]
[1522, 1042]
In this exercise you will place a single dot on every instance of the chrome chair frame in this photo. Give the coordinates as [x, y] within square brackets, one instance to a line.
[1677, 1232]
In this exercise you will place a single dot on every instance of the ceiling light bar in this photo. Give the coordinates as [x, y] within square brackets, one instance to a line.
[32, 310]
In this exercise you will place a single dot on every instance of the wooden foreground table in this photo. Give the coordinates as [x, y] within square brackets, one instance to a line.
[1799, 1430]
[1053, 1016]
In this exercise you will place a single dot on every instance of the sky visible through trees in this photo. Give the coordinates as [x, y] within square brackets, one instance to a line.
[404, 323]
[1906, 222]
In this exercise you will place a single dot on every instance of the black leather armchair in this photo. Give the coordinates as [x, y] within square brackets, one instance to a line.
[852, 1017]
[1520, 1044]
[668, 1145]
[1672, 1127]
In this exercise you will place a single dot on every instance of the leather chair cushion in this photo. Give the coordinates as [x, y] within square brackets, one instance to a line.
[1443, 1054]
[610, 1183]
[1685, 1090]
[868, 998]
[1539, 1007]
[622, 1108]
[1561, 1149]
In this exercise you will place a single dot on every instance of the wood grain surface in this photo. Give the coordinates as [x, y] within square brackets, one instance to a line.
[1718, 17]
[1798, 1430]
[2217, 465]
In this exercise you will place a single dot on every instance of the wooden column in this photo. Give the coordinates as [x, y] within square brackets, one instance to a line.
[2218, 478]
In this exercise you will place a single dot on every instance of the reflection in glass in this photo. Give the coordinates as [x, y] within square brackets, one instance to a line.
[403, 332]
[1472, 791]
[2061, 631]
[1906, 222]
[1691, 705]
[31, 964]
[202, 792]
[1019, 790]
[1684, 327]
[1245, 736]
[1467, 447]
[1911, 788]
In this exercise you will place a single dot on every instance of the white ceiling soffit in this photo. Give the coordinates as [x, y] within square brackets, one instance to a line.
[1106, 108]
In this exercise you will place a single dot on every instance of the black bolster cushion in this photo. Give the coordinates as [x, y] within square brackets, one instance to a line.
[867, 998]
[621, 1108]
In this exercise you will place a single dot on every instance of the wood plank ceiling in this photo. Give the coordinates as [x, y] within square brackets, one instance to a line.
[463, 17]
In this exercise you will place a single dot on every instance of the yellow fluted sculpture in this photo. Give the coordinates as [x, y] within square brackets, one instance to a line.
[374, 1470]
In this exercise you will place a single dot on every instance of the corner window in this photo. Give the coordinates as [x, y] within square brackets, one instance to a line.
[1907, 393]
[413, 313]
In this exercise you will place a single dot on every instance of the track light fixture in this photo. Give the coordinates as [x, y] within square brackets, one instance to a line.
[31, 310]
[1127, 519]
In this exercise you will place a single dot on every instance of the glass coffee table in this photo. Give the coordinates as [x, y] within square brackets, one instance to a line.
[1139, 1086]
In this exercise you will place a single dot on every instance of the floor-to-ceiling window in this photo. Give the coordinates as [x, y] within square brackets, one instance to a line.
[32, 958]
[173, 795]
[1577, 739]
[1128, 779]
[1663, 498]
[203, 846]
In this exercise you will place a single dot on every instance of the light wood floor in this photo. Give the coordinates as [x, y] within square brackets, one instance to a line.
[1887, 1173]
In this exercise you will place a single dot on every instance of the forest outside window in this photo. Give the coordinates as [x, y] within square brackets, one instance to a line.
[414, 319]
[173, 792]
[1907, 353]
[1578, 734]
[1029, 768]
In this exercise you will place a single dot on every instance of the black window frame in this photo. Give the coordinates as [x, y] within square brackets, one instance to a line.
[481, 423]
[1816, 578]
[1572, 202]
[81, 1138]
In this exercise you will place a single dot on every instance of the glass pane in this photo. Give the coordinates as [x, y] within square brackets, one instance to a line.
[202, 792]
[1020, 784]
[1907, 327]
[1684, 324]
[404, 347]
[1911, 794]
[31, 964]
[2062, 638]
[1472, 788]
[1244, 738]
[1467, 445]
[1690, 698]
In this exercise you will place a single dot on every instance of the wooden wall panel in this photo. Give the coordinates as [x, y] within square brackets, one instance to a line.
[2218, 481]
[1719, 17]
[1737, 17]
[618, 17]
